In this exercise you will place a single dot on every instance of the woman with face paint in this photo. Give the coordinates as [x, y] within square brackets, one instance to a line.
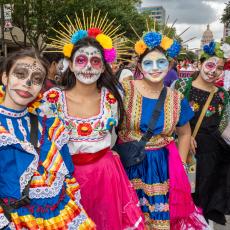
[37, 190]
[90, 105]
[160, 178]
[211, 151]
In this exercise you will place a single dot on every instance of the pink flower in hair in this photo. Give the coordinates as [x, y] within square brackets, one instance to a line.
[110, 55]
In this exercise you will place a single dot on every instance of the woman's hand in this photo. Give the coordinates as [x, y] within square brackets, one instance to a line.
[193, 145]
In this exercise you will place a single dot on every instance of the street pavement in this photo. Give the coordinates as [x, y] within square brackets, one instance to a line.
[221, 227]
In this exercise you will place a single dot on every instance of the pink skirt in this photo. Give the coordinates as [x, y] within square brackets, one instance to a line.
[107, 195]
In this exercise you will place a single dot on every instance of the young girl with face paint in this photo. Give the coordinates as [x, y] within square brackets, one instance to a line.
[91, 106]
[160, 179]
[37, 190]
[211, 151]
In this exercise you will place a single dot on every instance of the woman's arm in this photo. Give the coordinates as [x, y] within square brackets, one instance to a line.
[184, 138]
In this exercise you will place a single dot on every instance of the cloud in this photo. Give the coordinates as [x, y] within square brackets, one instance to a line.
[194, 13]
[190, 12]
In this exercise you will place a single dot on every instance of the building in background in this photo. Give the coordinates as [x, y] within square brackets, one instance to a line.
[155, 12]
[226, 31]
[207, 37]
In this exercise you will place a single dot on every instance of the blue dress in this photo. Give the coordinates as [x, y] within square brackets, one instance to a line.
[54, 193]
[150, 178]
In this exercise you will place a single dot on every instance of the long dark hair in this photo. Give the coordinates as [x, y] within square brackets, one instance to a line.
[107, 78]
[137, 71]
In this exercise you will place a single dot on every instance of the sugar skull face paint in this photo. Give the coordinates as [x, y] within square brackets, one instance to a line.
[155, 66]
[88, 64]
[24, 82]
[212, 69]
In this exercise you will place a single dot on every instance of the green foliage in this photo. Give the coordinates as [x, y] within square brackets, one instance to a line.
[37, 17]
[187, 54]
[227, 40]
[226, 15]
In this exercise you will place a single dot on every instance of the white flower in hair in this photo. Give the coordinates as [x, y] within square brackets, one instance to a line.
[226, 49]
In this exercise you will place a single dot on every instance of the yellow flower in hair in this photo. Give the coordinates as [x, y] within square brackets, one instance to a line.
[105, 41]
[2, 94]
[166, 42]
[67, 49]
[140, 47]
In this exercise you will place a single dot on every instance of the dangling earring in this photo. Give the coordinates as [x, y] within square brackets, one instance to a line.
[4, 88]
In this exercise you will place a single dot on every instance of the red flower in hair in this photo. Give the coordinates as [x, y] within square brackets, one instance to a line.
[227, 65]
[84, 129]
[93, 32]
[52, 96]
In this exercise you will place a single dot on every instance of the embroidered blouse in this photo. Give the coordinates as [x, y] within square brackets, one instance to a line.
[176, 112]
[49, 170]
[87, 135]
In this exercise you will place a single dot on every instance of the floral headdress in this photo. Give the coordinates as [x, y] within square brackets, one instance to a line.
[154, 39]
[212, 49]
[94, 26]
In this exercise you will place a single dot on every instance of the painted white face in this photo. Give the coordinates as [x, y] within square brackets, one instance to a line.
[87, 65]
[24, 82]
[212, 69]
[155, 66]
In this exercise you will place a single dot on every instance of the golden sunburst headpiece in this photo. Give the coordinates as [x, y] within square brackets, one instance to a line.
[97, 27]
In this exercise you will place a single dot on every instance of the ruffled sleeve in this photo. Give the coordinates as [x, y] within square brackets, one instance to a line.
[51, 104]
[186, 113]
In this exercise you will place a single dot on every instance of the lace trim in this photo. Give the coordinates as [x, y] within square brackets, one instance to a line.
[77, 196]
[77, 221]
[50, 191]
[62, 140]
[3, 221]
[8, 139]
[13, 114]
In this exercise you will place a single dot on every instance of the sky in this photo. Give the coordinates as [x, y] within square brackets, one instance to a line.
[194, 13]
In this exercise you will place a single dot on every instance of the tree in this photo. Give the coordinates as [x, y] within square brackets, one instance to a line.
[226, 15]
[36, 18]
[227, 40]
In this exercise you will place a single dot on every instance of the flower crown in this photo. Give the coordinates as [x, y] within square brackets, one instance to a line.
[154, 39]
[212, 49]
[101, 30]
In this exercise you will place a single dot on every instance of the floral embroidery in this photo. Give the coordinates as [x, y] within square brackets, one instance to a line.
[32, 106]
[52, 96]
[2, 94]
[84, 129]
[220, 108]
[221, 95]
[110, 98]
[210, 111]
[110, 123]
[195, 106]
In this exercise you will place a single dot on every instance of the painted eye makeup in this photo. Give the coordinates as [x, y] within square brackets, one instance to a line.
[147, 65]
[210, 65]
[96, 62]
[81, 60]
[162, 63]
[37, 80]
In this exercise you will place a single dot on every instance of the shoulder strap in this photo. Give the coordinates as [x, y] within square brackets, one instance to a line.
[34, 142]
[34, 130]
[200, 119]
[156, 113]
